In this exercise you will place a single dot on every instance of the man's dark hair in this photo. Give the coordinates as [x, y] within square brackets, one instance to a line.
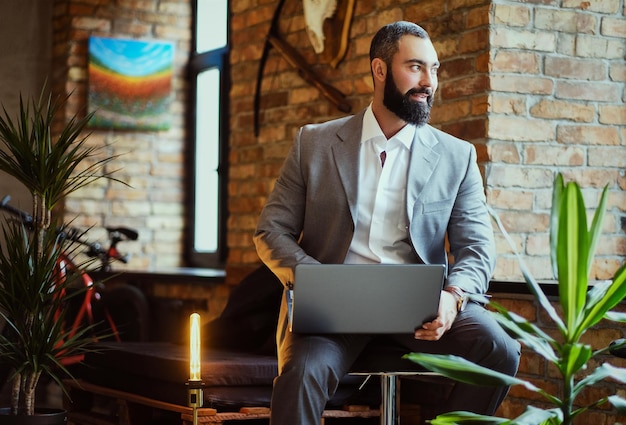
[385, 42]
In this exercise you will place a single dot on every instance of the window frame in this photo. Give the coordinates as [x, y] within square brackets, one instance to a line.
[198, 63]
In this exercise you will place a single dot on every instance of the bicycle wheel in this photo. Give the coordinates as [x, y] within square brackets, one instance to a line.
[124, 308]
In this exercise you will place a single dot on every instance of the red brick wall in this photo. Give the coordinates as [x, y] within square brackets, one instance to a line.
[537, 86]
[535, 369]
[510, 83]
[460, 32]
[151, 163]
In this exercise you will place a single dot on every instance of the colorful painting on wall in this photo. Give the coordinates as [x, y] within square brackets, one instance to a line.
[130, 83]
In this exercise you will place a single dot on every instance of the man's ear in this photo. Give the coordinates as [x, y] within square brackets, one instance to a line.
[379, 69]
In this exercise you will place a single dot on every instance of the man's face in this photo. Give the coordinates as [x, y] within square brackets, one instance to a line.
[411, 80]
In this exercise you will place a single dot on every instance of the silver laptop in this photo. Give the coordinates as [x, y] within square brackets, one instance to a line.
[365, 298]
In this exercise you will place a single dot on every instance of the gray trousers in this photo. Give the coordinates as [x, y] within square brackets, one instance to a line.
[310, 366]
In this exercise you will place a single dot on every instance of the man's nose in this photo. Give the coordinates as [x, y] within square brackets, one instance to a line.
[426, 79]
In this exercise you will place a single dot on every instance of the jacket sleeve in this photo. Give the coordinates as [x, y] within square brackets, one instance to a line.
[281, 221]
[470, 234]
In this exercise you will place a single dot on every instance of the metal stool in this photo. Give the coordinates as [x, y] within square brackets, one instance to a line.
[387, 363]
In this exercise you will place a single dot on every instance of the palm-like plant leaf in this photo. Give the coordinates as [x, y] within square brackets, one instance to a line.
[528, 333]
[614, 293]
[459, 369]
[33, 297]
[619, 403]
[531, 283]
[557, 194]
[615, 316]
[596, 225]
[600, 373]
[468, 418]
[532, 416]
[573, 243]
[572, 252]
[49, 168]
[573, 358]
[596, 293]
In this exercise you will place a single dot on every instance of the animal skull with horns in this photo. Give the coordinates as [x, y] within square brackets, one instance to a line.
[315, 13]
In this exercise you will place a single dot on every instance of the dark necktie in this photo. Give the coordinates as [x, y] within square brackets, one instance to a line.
[383, 156]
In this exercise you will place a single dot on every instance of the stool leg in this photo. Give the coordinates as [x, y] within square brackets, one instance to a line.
[390, 405]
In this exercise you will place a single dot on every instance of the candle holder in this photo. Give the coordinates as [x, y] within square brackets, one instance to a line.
[195, 397]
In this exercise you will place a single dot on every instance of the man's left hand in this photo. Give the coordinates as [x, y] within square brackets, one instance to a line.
[433, 331]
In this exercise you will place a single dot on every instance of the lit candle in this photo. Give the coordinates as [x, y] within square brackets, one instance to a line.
[194, 346]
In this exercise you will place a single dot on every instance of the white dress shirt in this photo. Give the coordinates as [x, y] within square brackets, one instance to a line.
[381, 233]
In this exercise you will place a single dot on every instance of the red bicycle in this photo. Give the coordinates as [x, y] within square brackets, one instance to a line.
[120, 311]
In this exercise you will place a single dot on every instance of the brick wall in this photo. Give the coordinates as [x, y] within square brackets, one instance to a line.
[537, 87]
[151, 163]
[556, 104]
[535, 369]
[460, 32]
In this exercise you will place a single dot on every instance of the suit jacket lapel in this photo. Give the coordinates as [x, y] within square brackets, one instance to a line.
[346, 153]
[421, 165]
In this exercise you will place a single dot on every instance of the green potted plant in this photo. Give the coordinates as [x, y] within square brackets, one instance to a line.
[49, 164]
[572, 245]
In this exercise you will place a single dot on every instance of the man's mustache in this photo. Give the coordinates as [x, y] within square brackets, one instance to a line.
[425, 90]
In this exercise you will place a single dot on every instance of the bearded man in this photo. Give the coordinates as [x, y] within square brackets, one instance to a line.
[383, 186]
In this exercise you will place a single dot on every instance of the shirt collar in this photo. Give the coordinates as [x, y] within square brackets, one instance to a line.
[372, 131]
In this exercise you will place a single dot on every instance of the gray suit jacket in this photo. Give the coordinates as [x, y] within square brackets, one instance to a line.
[310, 215]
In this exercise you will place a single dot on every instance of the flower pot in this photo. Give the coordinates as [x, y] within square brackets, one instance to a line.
[42, 416]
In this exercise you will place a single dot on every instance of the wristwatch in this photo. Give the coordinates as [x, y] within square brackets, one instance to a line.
[459, 295]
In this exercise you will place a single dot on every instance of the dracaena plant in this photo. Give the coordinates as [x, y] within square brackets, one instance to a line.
[572, 247]
[49, 164]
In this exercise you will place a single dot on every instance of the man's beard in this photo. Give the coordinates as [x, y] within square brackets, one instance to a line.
[411, 111]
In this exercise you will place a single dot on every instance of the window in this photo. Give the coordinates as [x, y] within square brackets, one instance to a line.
[209, 129]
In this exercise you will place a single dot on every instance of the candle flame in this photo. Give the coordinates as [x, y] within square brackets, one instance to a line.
[194, 346]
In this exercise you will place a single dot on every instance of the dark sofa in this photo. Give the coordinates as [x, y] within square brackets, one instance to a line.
[238, 356]
[238, 359]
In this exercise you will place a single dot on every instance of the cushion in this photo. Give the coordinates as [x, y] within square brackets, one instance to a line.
[232, 379]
